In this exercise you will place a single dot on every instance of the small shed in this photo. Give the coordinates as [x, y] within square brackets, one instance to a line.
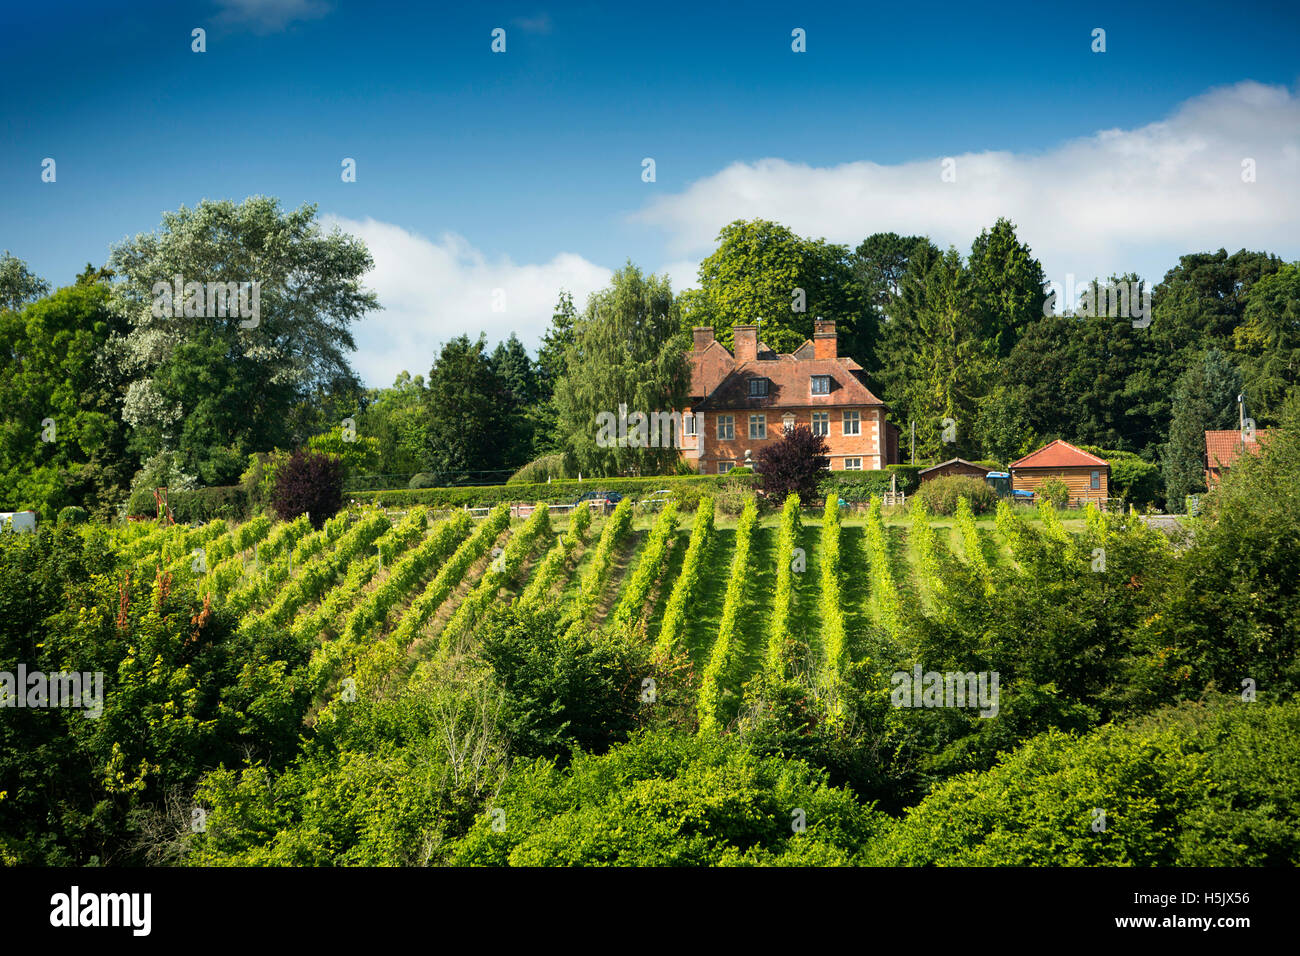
[1086, 475]
[953, 466]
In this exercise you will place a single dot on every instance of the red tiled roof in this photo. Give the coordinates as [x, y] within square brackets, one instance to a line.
[789, 386]
[1059, 454]
[953, 461]
[1222, 448]
[719, 382]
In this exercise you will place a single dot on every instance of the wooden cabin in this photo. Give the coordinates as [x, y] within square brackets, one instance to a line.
[1086, 475]
[953, 466]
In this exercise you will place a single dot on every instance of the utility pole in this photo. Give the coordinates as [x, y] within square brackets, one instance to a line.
[913, 423]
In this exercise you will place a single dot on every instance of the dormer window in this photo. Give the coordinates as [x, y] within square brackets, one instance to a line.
[757, 387]
[821, 384]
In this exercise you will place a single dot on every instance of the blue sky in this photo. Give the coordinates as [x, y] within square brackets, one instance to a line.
[522, 170]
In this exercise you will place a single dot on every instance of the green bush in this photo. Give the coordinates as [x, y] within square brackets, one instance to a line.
[424, 479]
[686, 491]
[560, 691]
[1195, 786]
[1131, 477]
[258, 479]
[939, 496]
[671, 800]
[72, 514]
[1053, 490]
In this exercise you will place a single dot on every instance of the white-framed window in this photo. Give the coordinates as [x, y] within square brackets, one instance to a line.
[1096, 480]
[821, 384]
[852, 464]
[757, 387]
[688, 424]
[726, 427]
[787, 421]
[853, 423]
[725, 466]
[758, 426]
[821, 423]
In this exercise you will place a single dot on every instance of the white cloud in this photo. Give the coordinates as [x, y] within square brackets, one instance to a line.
[683, 273]
[435, 290]
[269, 16]
[1114, 201]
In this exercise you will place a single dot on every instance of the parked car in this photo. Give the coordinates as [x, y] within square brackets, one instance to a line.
[599, 499]
[613, 497]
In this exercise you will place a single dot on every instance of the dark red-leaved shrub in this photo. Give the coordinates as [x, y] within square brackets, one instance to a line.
[308, 483]
[793, 464]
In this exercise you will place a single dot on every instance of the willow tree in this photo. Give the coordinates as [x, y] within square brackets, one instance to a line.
[627, 359]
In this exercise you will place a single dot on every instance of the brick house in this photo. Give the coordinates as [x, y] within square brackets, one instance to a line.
[1086, 475]
[742, 401]
[1224, 447]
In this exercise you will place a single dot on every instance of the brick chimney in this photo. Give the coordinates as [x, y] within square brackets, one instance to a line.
[746, 342]
[703, 336]
[824, 339]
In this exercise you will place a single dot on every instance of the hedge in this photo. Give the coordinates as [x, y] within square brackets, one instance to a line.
[199, 504]
[686, 489]
[855, 486]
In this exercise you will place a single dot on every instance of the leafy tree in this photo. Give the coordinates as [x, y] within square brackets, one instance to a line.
[359, 453]
[1232, 610]
[309, 483]
[793, 465]
[215, 388]
[1267, 343]
[1204, 400]
[1003, 424]
[880, 263]
[1131, 477]
[550, 367]
[397, 418]
[521, 395]
[467, 409]
[939, 366]
[628, 350]
[62, 440]
[752, 277]
[18, 284]
[1006, 286]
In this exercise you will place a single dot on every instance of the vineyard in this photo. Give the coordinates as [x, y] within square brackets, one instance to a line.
[798, 595]
[718, 680]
